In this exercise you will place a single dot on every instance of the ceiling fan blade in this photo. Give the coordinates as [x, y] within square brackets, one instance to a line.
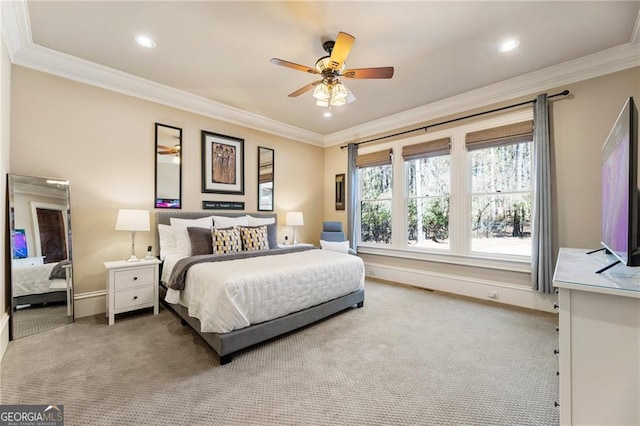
[341, 50]
[304, 89]
[381, 72]
[298, 67]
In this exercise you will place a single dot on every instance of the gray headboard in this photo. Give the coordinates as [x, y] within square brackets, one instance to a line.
[164, 217]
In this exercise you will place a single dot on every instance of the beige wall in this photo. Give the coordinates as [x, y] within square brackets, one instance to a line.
[580, 124]
[5, 100]
[103, 142]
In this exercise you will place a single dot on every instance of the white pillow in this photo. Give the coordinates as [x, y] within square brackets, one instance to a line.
[259, 221]
[167, 240]
[229, 222]
[183, 242]
[339, 246]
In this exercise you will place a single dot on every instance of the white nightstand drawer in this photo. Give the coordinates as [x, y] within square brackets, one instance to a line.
[133, 297]
[134, 277]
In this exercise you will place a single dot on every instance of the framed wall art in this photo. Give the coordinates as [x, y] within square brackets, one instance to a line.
[222, 164]
[340, 191]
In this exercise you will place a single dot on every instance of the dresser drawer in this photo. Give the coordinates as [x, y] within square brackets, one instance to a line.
[133, 297]
[134, 277]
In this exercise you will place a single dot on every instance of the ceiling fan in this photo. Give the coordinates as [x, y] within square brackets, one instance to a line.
[168, 150]
[329, 90]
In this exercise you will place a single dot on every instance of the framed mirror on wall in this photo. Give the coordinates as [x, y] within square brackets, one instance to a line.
[168, 167]
[41, 266]
[265, 178]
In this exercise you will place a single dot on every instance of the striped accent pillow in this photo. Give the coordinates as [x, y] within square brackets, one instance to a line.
[226, 240]
[254, 238]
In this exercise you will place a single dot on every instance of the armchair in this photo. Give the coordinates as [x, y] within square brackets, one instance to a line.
[332, 232]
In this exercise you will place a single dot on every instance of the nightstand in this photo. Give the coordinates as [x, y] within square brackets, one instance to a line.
[131, 286]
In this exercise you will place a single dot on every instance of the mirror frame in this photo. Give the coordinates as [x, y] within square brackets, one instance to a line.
[12, 180]
[168, 203]
[265, 150]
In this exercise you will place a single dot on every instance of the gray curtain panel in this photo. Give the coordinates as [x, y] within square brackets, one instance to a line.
[352, 185]
[541, 250]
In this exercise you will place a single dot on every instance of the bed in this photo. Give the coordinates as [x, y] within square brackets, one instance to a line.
[34, 284]
[236, 300]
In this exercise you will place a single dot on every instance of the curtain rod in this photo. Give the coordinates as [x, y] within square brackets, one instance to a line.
[425, 128]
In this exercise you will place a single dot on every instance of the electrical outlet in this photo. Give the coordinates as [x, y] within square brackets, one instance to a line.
[492, 294]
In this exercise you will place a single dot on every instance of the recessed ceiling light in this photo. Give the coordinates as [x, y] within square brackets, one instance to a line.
[509, 45]
[327, 114]
[145, 41]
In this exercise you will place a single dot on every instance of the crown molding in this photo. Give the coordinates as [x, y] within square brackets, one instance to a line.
[605, 62]
[16, 32]
[16, 29]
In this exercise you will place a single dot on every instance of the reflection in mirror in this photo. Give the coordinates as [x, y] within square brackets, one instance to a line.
[40, 244]
[265, 179]
[168, 167]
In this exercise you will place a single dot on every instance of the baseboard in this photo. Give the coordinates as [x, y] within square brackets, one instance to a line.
[4, 334]
[509, 294]
[88, 304]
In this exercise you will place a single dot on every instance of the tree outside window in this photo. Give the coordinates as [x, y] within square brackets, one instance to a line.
[375, 204]
[501, 199]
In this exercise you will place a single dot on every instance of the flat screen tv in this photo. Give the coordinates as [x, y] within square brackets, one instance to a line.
[19, 244]
[620, 212]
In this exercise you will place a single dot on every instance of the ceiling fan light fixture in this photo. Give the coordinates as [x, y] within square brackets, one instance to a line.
[322, 92]
[176, 159]
[340, 92]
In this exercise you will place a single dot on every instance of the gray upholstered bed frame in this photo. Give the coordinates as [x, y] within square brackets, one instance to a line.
[226, 344]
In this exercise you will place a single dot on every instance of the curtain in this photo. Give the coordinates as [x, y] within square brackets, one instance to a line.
[352, 185]
[541, 250]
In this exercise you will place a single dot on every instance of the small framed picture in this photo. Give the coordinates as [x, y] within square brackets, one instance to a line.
[222, 164]
[340, 191]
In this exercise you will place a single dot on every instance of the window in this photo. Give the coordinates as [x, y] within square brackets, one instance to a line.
[375, 176]
[467, 192]
[501, 199]
[428, 172]
[501, 189]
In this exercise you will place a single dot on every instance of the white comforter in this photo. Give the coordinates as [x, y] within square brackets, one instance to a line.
[35, 280]
[227, 296]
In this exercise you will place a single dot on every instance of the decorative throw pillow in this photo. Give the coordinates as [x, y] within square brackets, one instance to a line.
[201, 240]
[58, 272]
[339, 246]
[226, 240]
[254, 238]
[272, 235]
[183, 243]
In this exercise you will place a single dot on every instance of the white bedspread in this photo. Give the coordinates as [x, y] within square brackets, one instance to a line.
[35, 280]
[227, 296]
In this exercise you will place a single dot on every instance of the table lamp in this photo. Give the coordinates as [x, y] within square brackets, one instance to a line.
[132, 220]
[294, 219]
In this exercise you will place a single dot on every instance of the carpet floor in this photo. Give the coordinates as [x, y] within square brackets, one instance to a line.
[409, 357]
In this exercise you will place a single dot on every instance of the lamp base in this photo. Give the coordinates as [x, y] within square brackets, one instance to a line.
[133, 258]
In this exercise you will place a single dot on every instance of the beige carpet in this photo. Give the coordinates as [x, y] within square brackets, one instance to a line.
[408, 357]
[36, 319]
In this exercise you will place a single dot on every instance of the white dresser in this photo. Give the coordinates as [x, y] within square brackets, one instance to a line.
[599, 340]
[131, 286]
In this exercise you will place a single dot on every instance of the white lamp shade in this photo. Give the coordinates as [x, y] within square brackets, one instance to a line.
[132, 220]
[294, 219]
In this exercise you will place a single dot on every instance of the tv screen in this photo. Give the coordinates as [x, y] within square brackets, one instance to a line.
[19, 244]
[620, 188]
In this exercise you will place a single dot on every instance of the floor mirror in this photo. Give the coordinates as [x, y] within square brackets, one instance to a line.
[41, 285]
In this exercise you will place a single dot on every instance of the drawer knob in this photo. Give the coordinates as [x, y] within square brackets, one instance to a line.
[135, 278]
[556, 404]
[556, 306]
[135, 297]
[556, 351]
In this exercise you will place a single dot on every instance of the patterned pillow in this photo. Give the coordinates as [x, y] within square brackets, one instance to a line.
[226, 240]
[254, 238]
